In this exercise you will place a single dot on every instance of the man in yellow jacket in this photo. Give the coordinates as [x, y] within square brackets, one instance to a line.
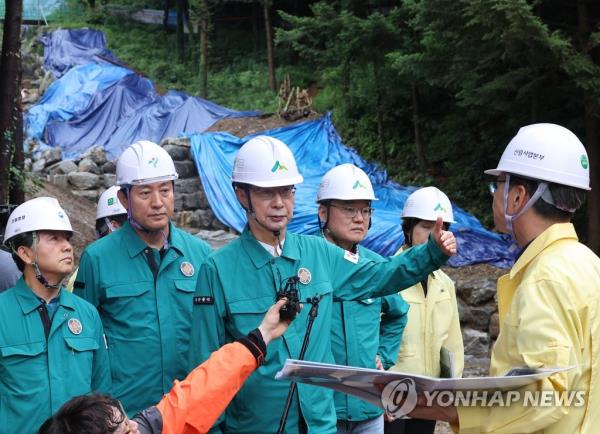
[549, 302]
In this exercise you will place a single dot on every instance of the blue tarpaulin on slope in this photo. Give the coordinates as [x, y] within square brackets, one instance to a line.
[70, 95]
[168, 116]
[317, 148]
[108, 105]
[66, 48]
[106, 111]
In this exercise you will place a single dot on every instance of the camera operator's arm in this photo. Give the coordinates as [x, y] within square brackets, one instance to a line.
[194, 404]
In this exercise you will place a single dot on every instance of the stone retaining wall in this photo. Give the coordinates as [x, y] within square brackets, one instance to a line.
[90, 174]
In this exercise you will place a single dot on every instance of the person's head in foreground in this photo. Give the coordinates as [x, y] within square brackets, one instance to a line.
[90, 414]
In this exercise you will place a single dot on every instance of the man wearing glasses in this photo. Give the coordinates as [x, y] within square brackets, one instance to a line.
[240, 281]
[358, 337]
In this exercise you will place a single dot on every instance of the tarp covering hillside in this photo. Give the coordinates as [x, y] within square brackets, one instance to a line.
[96, 102]
[317, 148]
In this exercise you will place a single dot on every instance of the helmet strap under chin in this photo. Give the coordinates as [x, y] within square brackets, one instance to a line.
[510, 218]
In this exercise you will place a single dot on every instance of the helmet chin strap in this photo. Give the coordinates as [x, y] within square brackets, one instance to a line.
[138, 225]
[508, 218]
[38, 273]
[251, 214]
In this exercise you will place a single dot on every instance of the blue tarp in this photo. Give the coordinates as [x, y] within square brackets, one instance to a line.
[104, 114]
[168, 116]
[66, 48]
[100, 103]
[317, 148]
[70, 95]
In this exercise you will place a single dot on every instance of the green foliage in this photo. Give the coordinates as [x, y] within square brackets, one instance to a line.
[481, 69]
[466, 74]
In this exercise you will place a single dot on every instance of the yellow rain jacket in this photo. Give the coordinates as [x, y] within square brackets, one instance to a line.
[433, 323]
[548, 306]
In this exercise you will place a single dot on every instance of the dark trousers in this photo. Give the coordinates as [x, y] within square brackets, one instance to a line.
[410, 426]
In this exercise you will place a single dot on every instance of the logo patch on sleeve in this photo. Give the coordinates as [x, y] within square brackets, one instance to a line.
[352, 257]
[204, 299]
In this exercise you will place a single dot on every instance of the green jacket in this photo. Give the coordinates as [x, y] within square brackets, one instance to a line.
[147, 320]
[359, 332]
[239, 283]
[39, 374]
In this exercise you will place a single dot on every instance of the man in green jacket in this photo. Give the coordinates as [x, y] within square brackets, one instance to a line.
[51, 342]
[364, 333]
[240, 281]
[142, 280]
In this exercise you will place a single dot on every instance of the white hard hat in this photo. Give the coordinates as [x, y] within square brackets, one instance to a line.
[264, 161]
[428, 203]
[109, 204]
[145, 162]
[345, 182]
[39, 214]
[546, 152]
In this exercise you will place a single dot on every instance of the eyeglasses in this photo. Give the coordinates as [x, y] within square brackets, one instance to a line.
[270, 193]
[493, 186]
[350, 212]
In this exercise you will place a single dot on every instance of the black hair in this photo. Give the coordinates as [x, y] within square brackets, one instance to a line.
[89, 414]
[564, 197]
[101, 226]
[24, 239]
[409, 223]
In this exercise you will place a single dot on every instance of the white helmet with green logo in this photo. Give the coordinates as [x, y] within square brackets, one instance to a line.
[145, 162]
[109, 204]
[264, 161]
[345, 182]
[428, 203]
[546, 152]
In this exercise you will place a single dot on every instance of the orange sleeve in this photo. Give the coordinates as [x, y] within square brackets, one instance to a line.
[194, 404]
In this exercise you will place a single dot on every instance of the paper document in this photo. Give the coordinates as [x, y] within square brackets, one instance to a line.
[368, 384]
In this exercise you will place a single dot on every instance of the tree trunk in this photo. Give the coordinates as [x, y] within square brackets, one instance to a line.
[204, 56]
[9, 92]
[269, 32]
[255, 32]
[17, 190]
[166, 16]
[420, 146]
[180, 34]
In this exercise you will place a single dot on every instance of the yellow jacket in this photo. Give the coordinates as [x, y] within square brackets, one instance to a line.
[548, 306]
[433, 323]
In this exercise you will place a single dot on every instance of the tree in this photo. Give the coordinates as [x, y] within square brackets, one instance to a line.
[10, 110]
[269, 35]
[181, 6]
[200, 14]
